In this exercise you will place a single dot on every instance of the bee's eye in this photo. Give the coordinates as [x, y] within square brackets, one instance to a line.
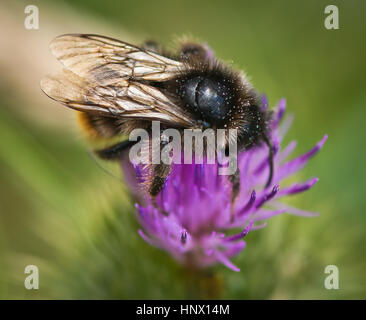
[207, 96]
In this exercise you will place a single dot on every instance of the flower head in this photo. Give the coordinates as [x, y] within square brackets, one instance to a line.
[198, 202]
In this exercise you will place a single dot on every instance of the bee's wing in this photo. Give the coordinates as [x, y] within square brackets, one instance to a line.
[105, 76]
[128, 99]
[105, 60]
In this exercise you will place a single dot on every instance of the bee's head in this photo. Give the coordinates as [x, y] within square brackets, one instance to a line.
[222, 99]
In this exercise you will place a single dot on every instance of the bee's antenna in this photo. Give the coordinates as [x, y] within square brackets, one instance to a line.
[270, 158]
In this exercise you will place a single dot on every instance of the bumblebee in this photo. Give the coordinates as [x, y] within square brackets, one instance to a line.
[118, 87]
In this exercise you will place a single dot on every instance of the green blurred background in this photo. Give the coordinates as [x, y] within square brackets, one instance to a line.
[60, 211]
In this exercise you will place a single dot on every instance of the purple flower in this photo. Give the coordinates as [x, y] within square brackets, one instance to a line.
[197, 201]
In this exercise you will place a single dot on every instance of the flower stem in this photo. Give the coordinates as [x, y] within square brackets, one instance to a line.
[203, 283]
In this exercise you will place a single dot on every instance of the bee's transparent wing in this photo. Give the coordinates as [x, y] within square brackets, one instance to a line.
[128, 99]
[107, 76]
[105, 60]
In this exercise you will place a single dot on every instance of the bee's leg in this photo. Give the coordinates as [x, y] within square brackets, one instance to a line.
[235, 181]
[270, 160]
[159, 174]
[116, 151]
